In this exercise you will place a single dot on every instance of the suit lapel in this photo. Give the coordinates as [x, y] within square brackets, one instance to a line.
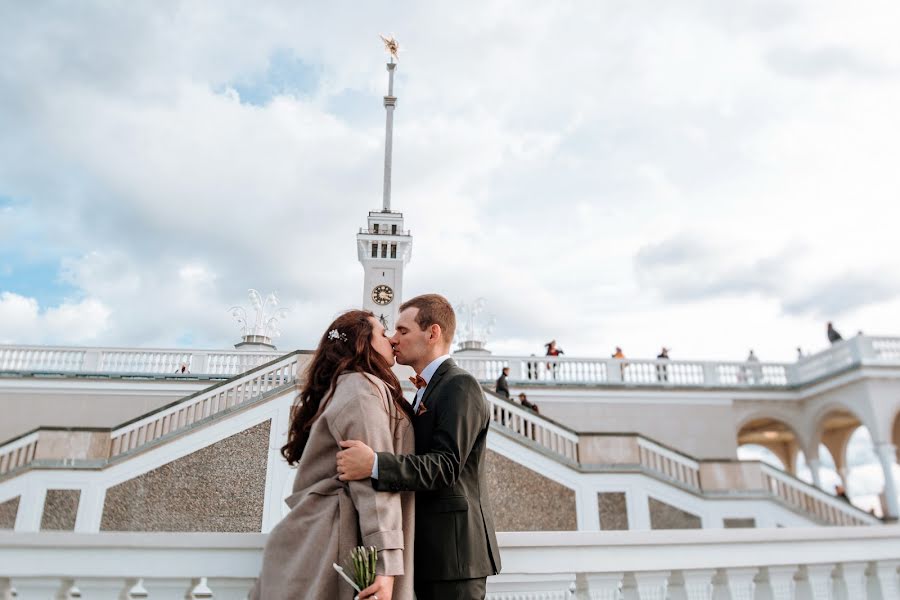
[441, 371]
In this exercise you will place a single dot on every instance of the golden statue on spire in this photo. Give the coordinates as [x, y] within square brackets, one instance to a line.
[392, 46]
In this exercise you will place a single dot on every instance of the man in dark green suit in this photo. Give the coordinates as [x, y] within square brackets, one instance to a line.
[455, 544]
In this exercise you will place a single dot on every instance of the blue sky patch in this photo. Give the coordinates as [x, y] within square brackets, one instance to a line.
[286, 74]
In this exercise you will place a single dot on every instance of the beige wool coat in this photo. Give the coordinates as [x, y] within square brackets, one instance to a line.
[328, 517]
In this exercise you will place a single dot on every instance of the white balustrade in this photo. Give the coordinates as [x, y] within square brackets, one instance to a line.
[531, 426]
[205, 404]
[809, 499]
[18, 452]
[669, 463]
[126, 361]
[853, 563]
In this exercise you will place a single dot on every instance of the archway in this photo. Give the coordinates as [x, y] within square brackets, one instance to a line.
[767, 438]
[856, 467]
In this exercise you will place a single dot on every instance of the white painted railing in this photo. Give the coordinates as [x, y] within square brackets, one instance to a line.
[147, 361]
[668, 463]
[860, 350]
[205, 404]
[17, 453]
[810, 500]
[780, 564]
[529, 425]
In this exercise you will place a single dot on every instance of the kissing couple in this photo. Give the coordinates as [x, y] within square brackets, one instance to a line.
[409, 479]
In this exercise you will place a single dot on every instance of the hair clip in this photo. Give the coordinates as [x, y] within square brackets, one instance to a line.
[334, 334]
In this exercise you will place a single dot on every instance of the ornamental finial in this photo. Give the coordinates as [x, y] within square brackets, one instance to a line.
[391, 45]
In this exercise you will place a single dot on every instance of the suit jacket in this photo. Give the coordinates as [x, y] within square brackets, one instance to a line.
[502, 386]
[455, 536]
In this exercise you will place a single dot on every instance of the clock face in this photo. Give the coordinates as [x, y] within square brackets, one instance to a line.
[382, 295]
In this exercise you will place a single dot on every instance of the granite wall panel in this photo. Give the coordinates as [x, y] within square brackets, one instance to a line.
[613, 511]
[739, 523]
[666, 516]
[8, 512]
[219, 488]
[524, 500]
[60, 510]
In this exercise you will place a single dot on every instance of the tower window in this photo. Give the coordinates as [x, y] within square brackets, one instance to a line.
[393, 229]
[375, 227]
[393, 250]
[384, 251]
[374, 250]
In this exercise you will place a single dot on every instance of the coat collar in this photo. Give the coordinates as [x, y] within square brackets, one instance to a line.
[436, 378]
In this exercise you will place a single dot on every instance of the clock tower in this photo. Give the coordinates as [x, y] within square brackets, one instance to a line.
[384, 246]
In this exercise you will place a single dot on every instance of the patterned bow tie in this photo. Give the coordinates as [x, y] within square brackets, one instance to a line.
[418, 382]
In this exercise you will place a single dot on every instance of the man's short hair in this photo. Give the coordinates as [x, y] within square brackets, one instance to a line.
[434, 309]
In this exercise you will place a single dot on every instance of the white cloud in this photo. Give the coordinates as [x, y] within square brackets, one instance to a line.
[539, 149]
[69, 323]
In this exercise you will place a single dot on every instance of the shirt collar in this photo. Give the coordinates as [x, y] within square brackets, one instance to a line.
[428, 372]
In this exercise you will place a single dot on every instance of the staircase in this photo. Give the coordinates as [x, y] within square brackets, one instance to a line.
[632, 452]
[96, 447]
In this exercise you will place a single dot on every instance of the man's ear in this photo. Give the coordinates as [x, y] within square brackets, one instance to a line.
[435, 332]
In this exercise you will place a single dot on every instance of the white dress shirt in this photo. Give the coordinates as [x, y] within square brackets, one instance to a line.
[426, 374]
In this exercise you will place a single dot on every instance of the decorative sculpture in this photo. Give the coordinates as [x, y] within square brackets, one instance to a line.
[266, 317]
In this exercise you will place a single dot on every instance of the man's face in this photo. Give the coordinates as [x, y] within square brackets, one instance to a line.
[409, 341]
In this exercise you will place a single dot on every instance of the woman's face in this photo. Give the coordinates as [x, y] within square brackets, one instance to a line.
[380, 341]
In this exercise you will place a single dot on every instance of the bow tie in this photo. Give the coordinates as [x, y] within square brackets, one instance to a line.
[418, 381]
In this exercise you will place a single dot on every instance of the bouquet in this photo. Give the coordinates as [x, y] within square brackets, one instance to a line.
[360, 566]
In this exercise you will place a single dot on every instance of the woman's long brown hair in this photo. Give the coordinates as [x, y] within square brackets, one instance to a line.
[348, 350]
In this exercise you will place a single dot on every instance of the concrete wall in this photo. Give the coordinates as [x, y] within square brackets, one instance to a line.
[684, 427]
[77, 405]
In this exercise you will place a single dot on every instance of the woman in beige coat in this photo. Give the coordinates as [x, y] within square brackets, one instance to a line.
[350, 392]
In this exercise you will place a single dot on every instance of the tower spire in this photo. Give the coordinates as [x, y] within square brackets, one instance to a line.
[390, 101]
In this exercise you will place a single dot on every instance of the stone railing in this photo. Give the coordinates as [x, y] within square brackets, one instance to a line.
[779, 564]
[130, 361]
[561, 370]
[551, 436]
[18, 452]
[94, 446]
[207, 403]
[604, 452]
[809, 499]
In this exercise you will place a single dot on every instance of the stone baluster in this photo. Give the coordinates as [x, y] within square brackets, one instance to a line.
[198, 590]
[695, 584]
[67, 590]
[776, 583]
[597, 586]
[134, 590]
[646, 585]
[883, 584]
[814, 582]
[735, 583]
[850, 580]
[231, 588]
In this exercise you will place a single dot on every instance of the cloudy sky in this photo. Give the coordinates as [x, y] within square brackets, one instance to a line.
[710, 176]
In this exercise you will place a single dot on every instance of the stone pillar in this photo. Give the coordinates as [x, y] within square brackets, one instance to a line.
[886, 453]
[814, 465]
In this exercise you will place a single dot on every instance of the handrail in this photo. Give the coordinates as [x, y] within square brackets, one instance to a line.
[218, 398]
[810, 499]
[664, 373]
[171, 418]
[551, 436]
[110, 360]
[735, 563]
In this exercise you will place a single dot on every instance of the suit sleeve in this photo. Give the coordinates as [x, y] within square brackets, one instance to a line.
[461, 417]
[366, 418]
